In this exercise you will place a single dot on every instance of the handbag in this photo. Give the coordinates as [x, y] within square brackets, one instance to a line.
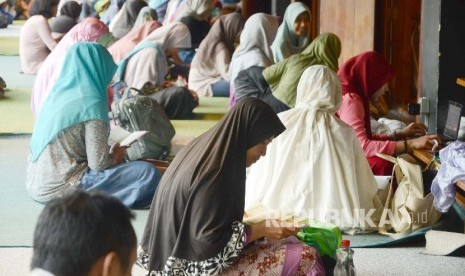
[406, 209]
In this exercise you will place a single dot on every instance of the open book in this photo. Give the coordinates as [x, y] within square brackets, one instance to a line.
[124, 137]
[284, 217]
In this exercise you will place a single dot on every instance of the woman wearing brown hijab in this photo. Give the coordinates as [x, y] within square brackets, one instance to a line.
[195, 220]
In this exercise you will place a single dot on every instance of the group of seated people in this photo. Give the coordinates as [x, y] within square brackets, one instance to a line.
[292, 106]
[13, 9]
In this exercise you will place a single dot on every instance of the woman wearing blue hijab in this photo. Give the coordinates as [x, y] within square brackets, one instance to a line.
[68, 148]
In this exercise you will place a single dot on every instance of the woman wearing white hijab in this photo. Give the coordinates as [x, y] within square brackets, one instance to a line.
[124, 20]
[147, 63]
[294, 33]
[199, 9]
[254, 49]
[316, 167]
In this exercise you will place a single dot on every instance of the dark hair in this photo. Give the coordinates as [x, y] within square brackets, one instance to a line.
[74, 231]
[42, 7]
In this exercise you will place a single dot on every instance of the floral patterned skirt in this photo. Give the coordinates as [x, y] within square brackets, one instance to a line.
[284, 257]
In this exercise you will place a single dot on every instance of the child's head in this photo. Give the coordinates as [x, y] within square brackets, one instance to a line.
[82, 233]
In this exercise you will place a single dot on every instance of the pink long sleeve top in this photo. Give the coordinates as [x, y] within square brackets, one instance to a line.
[352, 112]
[35, 43]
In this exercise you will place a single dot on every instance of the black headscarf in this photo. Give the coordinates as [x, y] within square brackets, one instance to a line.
[202, 192]
[67, 19]
[128, 17]
[198, 29]
[42, 7]
[250, 83]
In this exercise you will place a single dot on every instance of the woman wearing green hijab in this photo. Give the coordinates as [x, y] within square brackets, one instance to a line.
[277, 84]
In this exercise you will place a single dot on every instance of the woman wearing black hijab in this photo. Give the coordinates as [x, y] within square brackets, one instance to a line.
[195, 221]
[69, 15]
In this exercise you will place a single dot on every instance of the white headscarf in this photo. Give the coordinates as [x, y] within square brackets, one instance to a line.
[149, 64]
[254, 49]
[316, 166]
[199, 9]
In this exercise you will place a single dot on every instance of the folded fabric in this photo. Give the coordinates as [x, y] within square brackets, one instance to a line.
[452, 169]
[443, 243]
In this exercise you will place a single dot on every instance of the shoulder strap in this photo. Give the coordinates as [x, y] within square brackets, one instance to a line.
[387, 157]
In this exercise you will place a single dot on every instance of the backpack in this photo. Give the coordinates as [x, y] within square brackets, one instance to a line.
[135, 112]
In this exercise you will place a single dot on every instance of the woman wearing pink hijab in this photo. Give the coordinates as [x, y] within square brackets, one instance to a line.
[92, 30]
[125, 44]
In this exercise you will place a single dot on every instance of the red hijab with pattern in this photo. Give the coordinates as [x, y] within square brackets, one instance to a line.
[363, 75]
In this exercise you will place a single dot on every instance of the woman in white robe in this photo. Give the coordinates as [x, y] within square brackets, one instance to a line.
[316, 167]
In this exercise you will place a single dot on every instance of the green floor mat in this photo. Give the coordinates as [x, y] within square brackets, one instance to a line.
[211, 108]
[9, 46]
[378, 240]
[15, 111]
[192, 128]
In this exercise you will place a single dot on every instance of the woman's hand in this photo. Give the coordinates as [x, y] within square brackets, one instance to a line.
[413, 130]
[167, 84]
[118, 153]
[272, 231]
[426, 142]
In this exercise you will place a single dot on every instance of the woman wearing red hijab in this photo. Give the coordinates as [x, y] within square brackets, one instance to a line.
[365, 78]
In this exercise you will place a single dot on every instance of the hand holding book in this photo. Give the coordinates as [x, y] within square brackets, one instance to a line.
[124, 137]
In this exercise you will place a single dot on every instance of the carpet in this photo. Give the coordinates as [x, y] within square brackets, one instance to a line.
[443, 243]
[192, 128]
[15, 108]
[9, 46]
[211, 108]
[17, 118]
[15, 111]
[378, 240]
[18, 212]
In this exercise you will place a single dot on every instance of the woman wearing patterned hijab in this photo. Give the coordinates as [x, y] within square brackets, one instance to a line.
[69, 145]
[365, 78]
[254, 49]
[294, 33]
[315, 146]
[195, 221]
[208, 75]
[90, 29]
[147, 65]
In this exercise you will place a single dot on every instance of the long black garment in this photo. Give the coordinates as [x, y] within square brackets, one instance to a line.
[251, 83]
[202, 192]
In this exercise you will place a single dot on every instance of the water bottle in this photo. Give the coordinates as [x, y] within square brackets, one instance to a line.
[345, 263]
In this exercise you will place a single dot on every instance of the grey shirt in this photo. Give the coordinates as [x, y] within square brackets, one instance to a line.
[66, 159]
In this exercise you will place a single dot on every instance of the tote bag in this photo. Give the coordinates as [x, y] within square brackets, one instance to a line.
[406, 209]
